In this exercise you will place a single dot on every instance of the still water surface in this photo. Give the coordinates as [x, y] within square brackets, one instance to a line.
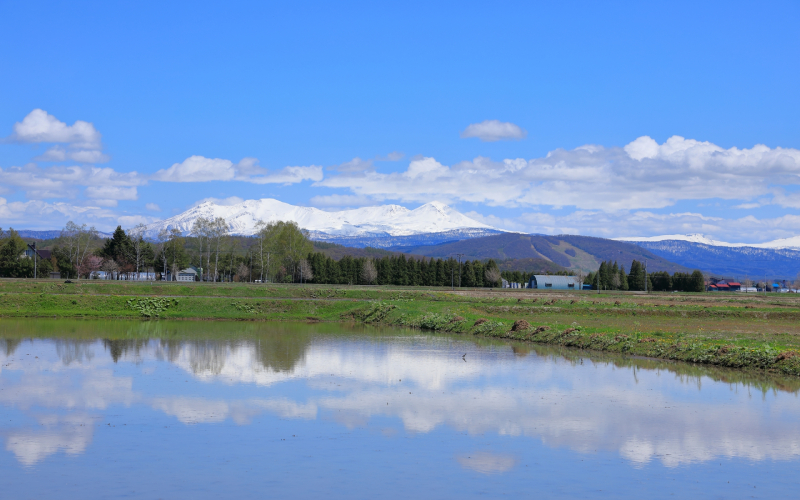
[207, 409]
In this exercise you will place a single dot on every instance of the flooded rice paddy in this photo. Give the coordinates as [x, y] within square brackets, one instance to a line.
[103, 409]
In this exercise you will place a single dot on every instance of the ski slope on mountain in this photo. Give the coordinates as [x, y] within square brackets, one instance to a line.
[389, 220]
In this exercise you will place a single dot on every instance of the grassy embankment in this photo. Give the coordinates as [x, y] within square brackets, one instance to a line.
[743, 331]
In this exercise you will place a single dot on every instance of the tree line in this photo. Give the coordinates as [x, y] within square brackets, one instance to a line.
[612, 276]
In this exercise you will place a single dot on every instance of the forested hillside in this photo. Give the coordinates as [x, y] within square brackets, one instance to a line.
[537, 252]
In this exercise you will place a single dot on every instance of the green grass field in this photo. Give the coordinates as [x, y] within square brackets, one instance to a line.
[735, 330]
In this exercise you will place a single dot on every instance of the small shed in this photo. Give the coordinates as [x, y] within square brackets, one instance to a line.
[546, 282]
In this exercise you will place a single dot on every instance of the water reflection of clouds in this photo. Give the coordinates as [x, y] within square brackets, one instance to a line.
[584, 408]
[487, 463]
[70, 434]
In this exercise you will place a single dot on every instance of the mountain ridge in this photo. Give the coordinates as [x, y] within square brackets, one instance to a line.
[383, 220]
[792, 242]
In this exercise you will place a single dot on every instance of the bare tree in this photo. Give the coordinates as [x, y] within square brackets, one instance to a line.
[304, 268]
[77, 239]
[243, 272]
[111, 267]
[138, 245]
[580, 275]
[369, 274]
[492, 275]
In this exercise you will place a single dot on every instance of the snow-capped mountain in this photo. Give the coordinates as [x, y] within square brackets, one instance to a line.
[386, 221]
[792, 243]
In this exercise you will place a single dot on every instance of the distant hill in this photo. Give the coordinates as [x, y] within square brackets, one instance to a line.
[732, 262]
[572, 252]
[336, 251]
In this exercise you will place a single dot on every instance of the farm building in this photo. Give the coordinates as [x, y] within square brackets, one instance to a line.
[188, 274]
[555, 282]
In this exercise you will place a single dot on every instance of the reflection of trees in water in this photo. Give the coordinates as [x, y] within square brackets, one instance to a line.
[282, 351]
[279, 351]
[70, 350]
[687, 373]
[10, 345]
[128, 348]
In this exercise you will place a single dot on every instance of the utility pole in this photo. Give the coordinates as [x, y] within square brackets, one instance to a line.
[33, 247]
[459, 255]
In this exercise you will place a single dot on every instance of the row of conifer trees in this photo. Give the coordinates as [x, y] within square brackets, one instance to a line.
[612, 276]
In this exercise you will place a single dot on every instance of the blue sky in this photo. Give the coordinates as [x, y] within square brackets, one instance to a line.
[317, 85]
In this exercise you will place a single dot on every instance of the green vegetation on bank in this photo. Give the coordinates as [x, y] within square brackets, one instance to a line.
[729, 330]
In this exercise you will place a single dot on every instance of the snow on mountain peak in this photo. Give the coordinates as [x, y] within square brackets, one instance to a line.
[394, 220]
[791, 243]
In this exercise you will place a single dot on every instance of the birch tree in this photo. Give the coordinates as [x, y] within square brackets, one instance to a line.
[368, 272]
[201, 230]
[138, 245]
[77, 240]
[218, 229]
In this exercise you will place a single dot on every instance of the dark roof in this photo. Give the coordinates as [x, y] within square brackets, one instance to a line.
[45, 254]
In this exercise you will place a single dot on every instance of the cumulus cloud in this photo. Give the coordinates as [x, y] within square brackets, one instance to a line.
[201, 169]
[642, 175]
[231, 200]
[152, 207]
[37, 214]
[40, 126]
[340, 200]
[197, 169]
[63, 182]
[59, 154]
[287, 175]
[494, 130]
[83, 140]
[112, 192]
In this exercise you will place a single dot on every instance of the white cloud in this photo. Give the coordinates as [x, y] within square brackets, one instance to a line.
[37, 214]
[393, 156]
[197, 169]
[287, 175]
[112, 192]
[83, 140]
[340, 200]
[494, 130]
[202, 169]
[231, 200]
[153, 207]
[639, 176]
[747, 229]
[356, 165]
[59, 154]
[63, 182]
[133, 220]
[39, 126]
